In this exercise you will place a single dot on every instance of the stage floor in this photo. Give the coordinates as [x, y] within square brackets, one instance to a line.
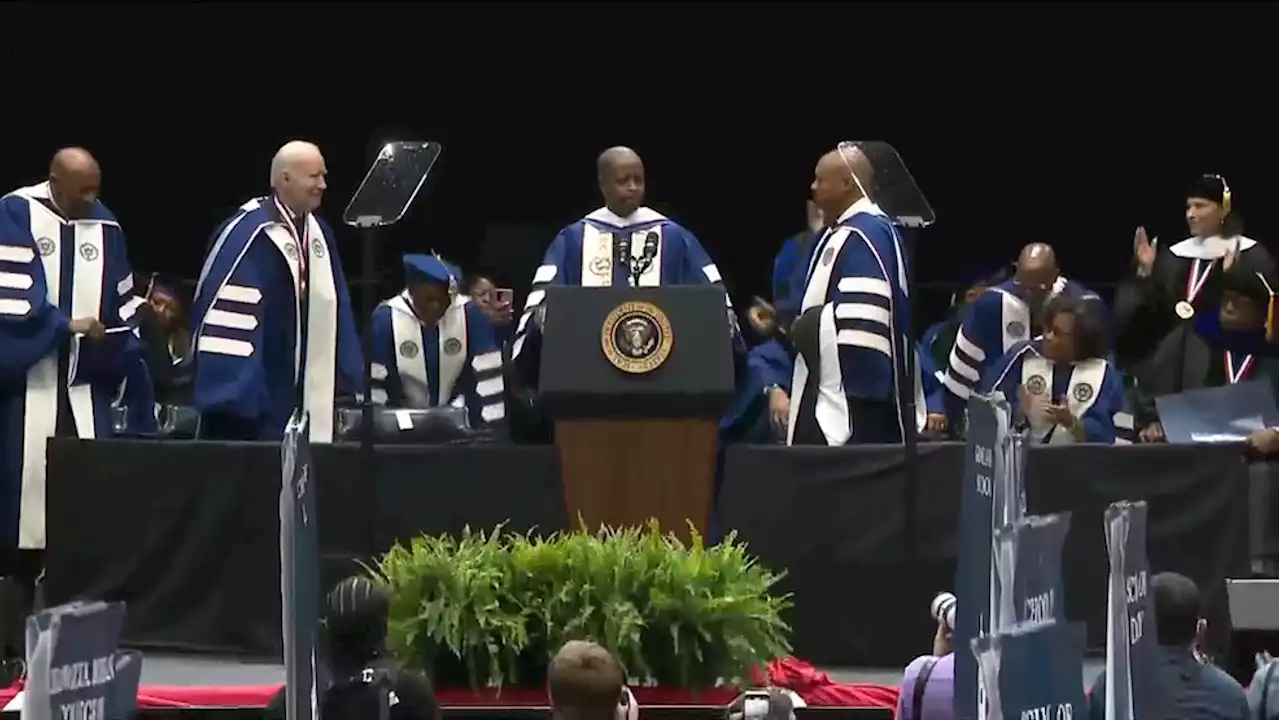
[203, 671]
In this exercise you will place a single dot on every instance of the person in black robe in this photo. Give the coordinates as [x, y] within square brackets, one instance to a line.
[1171, 286]
[1235, 344]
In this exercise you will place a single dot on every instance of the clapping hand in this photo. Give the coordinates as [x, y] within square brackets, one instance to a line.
[1144, 249]
[1060, 414]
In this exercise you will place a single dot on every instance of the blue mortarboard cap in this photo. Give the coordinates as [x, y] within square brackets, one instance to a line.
[429, 268]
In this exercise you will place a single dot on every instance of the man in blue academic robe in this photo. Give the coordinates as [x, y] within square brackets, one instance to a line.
[585, 253]
[271, 323]
[434, 347]
[855, 291]
[1002, 317]
[64, 348]
[1061, 386]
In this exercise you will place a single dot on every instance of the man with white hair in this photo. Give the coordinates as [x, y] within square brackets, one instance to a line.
[271, 324]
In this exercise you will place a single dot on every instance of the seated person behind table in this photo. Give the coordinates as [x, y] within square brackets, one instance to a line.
[433, 347]
[1061, 385]
[495, 302]
[1193, 690]
[161, 322]
[1002, 317]
[364, 680]
[1235, 344]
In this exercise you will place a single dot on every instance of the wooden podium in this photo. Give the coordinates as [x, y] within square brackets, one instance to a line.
[636, 380]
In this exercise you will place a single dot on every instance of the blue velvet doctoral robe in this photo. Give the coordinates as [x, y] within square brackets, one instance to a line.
[455, 362]
[997, 321]
[856, 275]
[53, 270]
[272, 331]
[1093, 389]
[582, 254]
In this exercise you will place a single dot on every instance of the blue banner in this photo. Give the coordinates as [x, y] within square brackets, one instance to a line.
[74, 669]
[1132, 651]
[1039, 668]
[1029, 564]
[984, 479]
[299, 571]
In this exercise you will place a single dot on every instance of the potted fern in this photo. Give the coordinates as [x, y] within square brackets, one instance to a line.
[489, 609]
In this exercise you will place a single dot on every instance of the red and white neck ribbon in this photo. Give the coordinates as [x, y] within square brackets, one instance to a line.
[303, 241]
[1234, 374]
[1196, 279]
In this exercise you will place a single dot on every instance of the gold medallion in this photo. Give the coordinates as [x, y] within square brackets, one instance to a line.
[1184, 310]
[636, 337]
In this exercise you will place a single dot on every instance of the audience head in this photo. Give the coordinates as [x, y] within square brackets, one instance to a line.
[74, 182]
[585, 682]
[432, 284]
[165, 303]
[1178, 609]
[1209, 210]
[355, 619]
[1074, 329]
[620, 174]
[480, 288]
[1036, 274]
[298, 176]
[1248, 301]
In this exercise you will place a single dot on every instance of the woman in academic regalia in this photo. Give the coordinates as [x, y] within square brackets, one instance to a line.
[1235, 343]
[1060, 387]
[1170, 286]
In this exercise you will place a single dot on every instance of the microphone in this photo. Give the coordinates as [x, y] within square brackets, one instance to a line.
[646, 260]
[622, 250]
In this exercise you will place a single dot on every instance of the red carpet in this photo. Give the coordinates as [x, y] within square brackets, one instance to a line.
[814, 687]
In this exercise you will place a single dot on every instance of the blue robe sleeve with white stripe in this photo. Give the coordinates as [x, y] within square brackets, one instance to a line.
[556, 269]
[869, 306]
[231, 333]
[978, 343]
[485, 389]
[31, 328]
[387, 389]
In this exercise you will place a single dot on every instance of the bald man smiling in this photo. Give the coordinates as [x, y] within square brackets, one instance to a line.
[271, 324]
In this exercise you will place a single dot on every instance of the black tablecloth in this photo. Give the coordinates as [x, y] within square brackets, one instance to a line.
[187, 533]
[834, 519]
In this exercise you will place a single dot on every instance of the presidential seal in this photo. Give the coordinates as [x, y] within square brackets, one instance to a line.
[317, 249]
[1082, 392]
[601, 266]
[636, 337]
[409, 349]
[88, 252]
[452, 346]
[46, 247]
[291, 250]
[1015, 329]
[828, 256]
[1036, 384]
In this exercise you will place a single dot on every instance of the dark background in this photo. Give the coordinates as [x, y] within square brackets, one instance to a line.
[1064, 122]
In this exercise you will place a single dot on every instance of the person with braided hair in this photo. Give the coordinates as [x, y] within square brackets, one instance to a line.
[364, 683]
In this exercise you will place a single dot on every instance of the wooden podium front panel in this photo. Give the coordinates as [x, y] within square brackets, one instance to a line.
[621, 473]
